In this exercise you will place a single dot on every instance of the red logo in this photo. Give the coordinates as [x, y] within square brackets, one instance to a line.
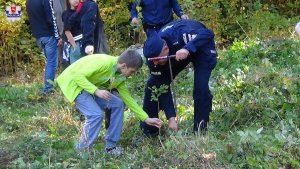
[13, 9]
[13, 13]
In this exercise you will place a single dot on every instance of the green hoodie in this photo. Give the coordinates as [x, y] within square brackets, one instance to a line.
[97, 71]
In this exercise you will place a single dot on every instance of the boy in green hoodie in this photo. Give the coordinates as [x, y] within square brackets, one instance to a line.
[89, 81]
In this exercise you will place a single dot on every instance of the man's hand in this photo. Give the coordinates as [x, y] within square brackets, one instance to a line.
[104, 94]
[89, 49]
[182, 54]
[184, 17]
[135, 21]
[153, 122]
[59, 42]
[173, 124]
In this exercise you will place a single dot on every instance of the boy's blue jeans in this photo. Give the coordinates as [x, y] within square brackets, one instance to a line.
[92, 107]
[49, 46]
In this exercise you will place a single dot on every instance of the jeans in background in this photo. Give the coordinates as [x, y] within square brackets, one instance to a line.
[49, 46]
[75, 54]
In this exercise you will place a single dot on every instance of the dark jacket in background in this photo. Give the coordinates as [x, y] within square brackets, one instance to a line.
[92, 28]
[75, 29]
[42, 19]
[157, 12]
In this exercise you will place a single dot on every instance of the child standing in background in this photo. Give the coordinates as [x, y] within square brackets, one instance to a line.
[92, 27]
[72, 34]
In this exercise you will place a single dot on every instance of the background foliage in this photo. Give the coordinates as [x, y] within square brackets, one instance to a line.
[18, 48]
[229, 20]
[255, 119]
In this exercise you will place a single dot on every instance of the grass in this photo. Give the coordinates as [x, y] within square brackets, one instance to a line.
[254, 123]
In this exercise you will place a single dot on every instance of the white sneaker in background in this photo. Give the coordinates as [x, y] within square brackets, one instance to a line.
[114, 150]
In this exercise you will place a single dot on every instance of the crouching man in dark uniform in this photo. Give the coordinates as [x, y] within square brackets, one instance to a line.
[192, 42]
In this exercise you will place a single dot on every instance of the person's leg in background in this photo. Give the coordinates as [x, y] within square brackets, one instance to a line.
[66, 55]
[75, 54]
[59, 6]
[49, 46]
[60, 55]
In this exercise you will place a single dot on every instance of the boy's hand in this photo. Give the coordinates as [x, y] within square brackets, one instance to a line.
[104, 94]
[153, 122]
[59, 42]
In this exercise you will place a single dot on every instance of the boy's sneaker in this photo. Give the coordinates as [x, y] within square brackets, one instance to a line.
[114, 150]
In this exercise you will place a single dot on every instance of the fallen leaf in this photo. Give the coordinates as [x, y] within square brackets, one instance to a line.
[209, 156]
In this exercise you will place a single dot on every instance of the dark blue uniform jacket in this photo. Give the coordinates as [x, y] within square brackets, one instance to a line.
[157, 11]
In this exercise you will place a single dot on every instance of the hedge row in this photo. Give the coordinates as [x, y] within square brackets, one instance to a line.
[230, 20]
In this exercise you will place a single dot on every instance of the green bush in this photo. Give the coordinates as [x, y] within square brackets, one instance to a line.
[17, 46]
[237, 19]
[230, 20]
[261, 83]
